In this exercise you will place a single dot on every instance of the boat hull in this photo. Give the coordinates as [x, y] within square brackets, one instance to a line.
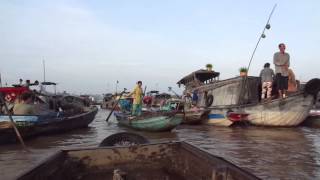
[291, 111]
[287, 112]
[54, 125]
[153, 124]
[193, 118]
[312, 121]
[173, 160]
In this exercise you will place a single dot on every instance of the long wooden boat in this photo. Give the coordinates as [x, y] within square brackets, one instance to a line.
[31, 126]
[171, 160]
[238, 100]
[290, 111]
[150, 121]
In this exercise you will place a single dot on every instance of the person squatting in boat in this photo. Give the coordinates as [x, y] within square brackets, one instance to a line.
[266, 76]
[137, 94]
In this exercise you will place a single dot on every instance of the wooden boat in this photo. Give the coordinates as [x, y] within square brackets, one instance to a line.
[195, 117]
[108, 101]
[191, 116]
[313, 119]
[150, 121]
[171, 160]
[279, 112]
[154, 99]
[238, 99]
[31, 126]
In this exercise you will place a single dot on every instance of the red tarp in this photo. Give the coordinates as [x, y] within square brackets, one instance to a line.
[10, 93]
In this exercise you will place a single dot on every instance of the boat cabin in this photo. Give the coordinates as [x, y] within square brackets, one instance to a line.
[213, 92]
[199, 77]
[233, 91]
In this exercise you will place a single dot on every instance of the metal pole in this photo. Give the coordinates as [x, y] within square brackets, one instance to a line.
[0, 81]
[44, 70]
[254, 51]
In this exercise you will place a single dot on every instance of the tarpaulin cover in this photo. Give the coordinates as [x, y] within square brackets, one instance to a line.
[10, 93]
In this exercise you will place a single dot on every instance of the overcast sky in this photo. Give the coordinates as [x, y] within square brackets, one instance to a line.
[89, 45]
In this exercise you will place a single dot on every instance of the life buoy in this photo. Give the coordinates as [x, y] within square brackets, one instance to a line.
[209, 100]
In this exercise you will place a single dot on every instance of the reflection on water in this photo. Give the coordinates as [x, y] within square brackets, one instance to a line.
[270, 153]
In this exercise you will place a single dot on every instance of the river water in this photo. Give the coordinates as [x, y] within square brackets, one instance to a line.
[269, 153]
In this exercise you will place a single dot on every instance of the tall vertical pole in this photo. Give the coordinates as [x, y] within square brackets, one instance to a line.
[44, 70]
[244, 84]
[0, 80]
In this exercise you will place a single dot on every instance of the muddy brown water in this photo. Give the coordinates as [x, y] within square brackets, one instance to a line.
[269, 153]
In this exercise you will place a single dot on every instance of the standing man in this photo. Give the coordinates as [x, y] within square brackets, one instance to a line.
[281, 61]
[137, 94]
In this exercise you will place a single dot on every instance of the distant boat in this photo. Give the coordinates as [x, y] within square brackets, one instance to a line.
[150, 121]
[155, 100]
[108, 101]
[169, 160]
[238, 100]
[32, 126]
[74, 115]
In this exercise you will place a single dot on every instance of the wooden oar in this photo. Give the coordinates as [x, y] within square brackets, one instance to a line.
[144, 92]
[114, 107]
[13, 123]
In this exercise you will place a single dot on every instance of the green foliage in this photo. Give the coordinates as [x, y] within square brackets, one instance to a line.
[209, 66]
[243, 69]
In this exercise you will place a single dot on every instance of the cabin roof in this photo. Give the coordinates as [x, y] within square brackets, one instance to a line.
[163, 95]
[201, 74]
[153, 91]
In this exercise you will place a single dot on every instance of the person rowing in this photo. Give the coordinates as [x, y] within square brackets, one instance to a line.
[137, 95]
